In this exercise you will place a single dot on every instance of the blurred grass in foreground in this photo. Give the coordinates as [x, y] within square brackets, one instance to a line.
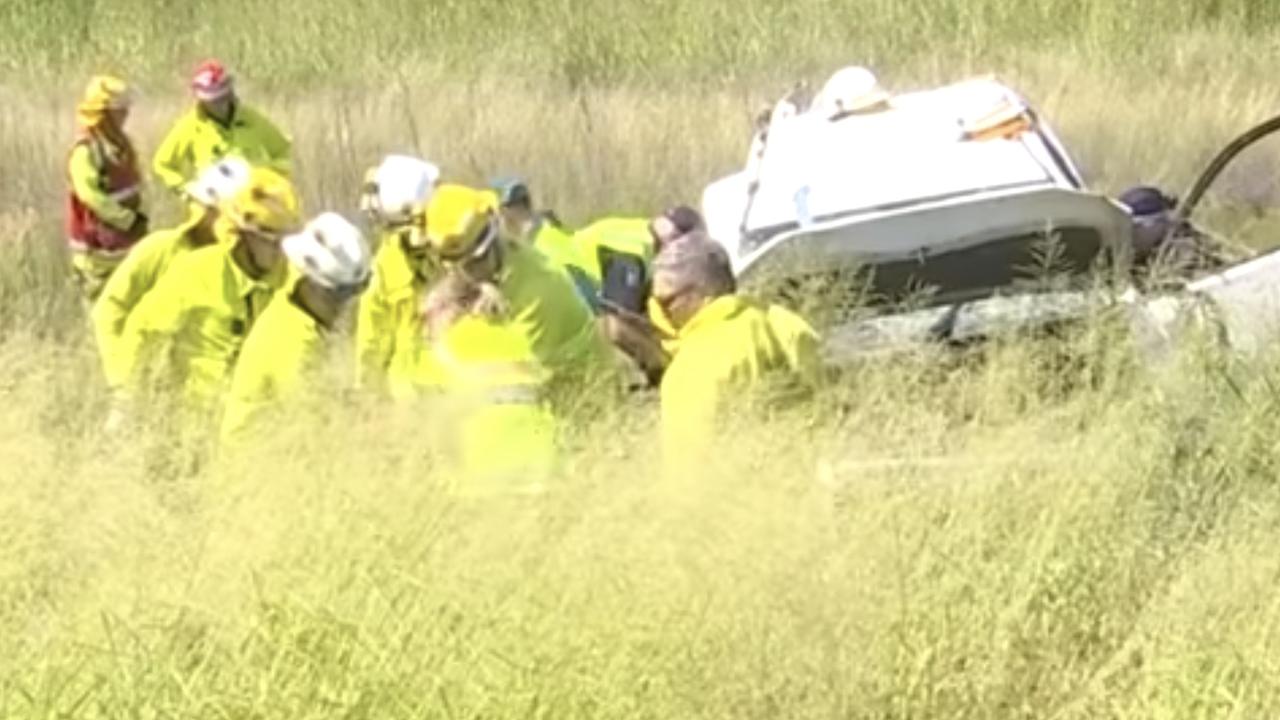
[1035, 531]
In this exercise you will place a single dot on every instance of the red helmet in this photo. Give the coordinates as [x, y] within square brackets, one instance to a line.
[211, 81]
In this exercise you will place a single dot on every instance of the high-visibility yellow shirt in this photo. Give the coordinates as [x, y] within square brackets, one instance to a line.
[136, 275]
[197, 141]
[388, 321]
[284, 345]
[729, 357]
[558, 323]
[496, 430]
[189, 329]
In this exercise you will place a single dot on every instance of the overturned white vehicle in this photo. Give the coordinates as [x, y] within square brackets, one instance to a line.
[953, 214]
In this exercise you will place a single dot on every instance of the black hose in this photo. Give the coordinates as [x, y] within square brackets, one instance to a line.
[1193, 197]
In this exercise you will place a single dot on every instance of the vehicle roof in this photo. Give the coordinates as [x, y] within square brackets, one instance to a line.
[915, 151]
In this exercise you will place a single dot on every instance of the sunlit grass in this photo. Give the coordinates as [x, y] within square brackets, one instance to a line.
[1033, 530]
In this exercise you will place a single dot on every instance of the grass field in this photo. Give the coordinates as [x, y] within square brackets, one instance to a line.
[1034, 531]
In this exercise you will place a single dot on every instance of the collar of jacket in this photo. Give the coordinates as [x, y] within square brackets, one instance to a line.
[245, 285]
[236, 119]
[723, 308]
[296, 304]
[188, 226]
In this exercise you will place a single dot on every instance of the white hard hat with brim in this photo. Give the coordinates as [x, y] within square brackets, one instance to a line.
[219, 181]
[330, 251]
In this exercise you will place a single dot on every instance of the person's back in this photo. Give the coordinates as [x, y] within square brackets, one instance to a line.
[271, 365]
[729, 356]
[559, 325]
[190, 328]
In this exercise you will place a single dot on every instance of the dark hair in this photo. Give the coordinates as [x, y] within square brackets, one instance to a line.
[685, 218]
[1147, 200]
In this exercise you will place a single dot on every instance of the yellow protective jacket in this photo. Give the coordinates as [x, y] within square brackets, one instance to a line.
[284, 345]
[557, 245]
[800, 342]
[137, 274]
[496, 430]
[388, 325]
[730, 357]
[558, 323]
[190, 328]
[197, 141]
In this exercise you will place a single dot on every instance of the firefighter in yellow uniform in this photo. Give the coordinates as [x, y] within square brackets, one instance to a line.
[104, 202]
[461, 225]
[332, 262]
[496, 430]
[388, 326]
[188, 331]
[734, 354]
[219, 126]
[152, 256]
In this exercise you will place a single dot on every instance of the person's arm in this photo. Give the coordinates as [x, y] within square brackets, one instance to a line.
[153, 324]
[121, 294]
[807, 355]
[172, 161]
[278, 146]
[799, 342]
[254, 388]
[688, 407]
[375, 339]
[86, 184]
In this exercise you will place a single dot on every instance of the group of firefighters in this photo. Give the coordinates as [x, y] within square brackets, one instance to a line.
[469, 295]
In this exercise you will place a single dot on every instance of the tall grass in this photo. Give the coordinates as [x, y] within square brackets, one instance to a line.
[1033, 530]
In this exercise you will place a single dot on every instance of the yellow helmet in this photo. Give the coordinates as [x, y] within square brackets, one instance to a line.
[103, 93]
[460, 221]
[266, 204]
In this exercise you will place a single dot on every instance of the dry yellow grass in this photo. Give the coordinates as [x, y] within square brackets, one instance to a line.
[1033, 531]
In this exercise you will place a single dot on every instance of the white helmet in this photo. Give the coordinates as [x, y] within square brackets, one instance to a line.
[331, 252]
[850, 90]
[219, 181]
[398, 188]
